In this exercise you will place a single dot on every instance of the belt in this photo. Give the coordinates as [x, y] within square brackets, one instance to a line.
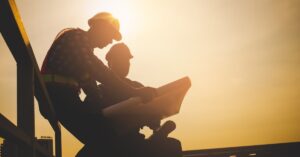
[60, 79]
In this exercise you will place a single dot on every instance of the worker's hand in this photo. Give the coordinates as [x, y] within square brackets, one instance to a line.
[151, 122]
[154, 124]
[146, 93]
[163, 131]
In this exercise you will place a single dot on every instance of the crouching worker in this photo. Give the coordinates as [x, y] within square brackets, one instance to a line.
[134, 143]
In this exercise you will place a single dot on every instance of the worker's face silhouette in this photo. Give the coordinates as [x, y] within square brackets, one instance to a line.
[101, 35]
[120, 66]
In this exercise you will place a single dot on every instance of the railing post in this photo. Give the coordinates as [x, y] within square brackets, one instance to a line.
[25, 94]
[25, 102]
[58, 151]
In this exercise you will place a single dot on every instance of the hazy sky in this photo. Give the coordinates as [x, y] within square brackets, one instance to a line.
[243, 57]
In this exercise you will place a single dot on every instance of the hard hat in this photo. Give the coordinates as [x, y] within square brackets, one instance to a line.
[119, 50]
[107, 17]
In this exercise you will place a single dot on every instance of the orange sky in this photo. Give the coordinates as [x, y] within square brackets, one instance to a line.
[243, 58]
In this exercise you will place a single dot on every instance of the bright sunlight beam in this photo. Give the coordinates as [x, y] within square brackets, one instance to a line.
[125, 12]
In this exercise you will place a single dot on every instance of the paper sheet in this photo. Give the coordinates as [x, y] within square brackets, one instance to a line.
[168, 102]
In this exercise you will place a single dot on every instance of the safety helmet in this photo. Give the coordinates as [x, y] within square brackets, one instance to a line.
[108, 18]
[119, 50]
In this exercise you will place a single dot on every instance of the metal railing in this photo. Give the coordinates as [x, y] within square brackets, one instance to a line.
[29, 84]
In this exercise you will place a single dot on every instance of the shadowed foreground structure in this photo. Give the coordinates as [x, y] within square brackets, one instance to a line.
[271, 150]
[30, 84]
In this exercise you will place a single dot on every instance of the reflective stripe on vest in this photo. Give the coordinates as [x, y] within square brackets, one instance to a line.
[60, 79]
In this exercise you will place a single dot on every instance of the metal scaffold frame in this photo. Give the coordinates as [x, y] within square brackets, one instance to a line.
[29, 85]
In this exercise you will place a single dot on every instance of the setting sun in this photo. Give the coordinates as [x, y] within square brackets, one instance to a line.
[124, 11]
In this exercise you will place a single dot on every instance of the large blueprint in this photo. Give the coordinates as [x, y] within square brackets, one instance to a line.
[133, 111]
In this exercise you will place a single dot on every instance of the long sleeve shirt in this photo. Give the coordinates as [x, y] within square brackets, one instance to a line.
[71, 55]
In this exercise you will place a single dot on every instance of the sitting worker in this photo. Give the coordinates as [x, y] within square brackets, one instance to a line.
[134, 143]
[70, 65]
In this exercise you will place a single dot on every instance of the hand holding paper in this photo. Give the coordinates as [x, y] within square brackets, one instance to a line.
[133, 112]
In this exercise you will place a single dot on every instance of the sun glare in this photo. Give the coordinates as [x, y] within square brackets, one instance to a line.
[123, 11]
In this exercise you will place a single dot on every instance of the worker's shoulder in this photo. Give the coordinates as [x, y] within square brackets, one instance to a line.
[72, 33]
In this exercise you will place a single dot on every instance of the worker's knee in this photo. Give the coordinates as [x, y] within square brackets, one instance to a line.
[171, 148]
[174, 143]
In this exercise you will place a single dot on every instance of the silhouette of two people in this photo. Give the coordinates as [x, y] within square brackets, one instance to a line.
[70, 66]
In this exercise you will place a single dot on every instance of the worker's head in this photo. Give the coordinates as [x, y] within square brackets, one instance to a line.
[104, 28]
[118, 59]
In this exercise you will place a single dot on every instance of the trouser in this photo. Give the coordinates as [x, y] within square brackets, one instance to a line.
[97, 135]
[168, 147]
[74, 116]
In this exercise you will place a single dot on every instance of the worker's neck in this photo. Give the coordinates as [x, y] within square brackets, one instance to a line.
[91, 37]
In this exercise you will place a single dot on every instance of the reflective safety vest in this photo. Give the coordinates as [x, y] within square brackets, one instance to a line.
[53, 78]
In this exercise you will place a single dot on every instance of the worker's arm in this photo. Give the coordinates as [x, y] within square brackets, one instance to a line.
[104, 75]
[88, 66]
